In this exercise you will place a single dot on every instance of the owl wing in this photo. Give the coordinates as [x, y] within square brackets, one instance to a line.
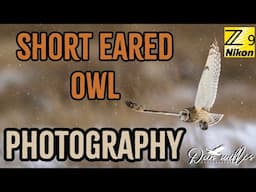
[208, 85]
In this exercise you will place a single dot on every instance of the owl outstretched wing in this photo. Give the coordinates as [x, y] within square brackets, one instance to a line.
[208, 85]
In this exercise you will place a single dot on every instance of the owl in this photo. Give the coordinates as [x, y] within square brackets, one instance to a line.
[205, 97]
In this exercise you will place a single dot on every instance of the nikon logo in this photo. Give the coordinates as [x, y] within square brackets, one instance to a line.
[239, 42]
[238, 53]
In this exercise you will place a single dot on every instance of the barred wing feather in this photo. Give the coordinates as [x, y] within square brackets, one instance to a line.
[208, 85]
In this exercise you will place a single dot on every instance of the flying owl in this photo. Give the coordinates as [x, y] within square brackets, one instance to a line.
[205, 97]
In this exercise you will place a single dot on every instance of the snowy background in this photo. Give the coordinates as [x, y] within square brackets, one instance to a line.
[36, 94]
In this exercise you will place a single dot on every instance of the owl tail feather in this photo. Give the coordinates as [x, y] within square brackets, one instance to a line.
[215, 118]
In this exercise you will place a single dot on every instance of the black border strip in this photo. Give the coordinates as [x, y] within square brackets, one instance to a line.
[211, 13]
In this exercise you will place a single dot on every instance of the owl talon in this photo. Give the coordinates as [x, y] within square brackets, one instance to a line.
[134, 106]
[131, 104]
[203, 125]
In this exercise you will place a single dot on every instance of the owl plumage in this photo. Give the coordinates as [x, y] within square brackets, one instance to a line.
[205, 97]
[208, 84]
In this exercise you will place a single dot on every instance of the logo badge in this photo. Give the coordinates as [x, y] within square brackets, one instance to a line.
[198, 155]
[239, 42]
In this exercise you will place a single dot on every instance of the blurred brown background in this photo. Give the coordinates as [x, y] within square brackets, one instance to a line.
[36, 94]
